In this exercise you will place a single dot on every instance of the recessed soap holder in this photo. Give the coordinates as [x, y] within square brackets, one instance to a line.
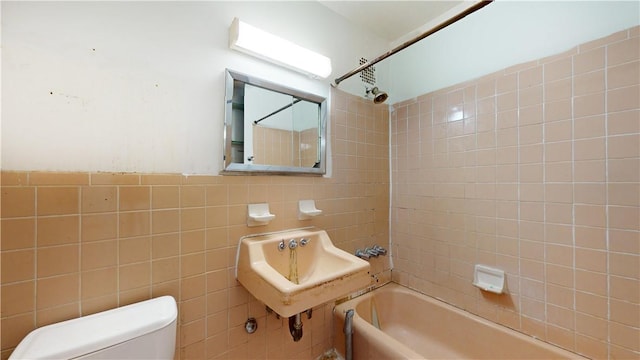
[489, 279]
[258, 214]
[307, 209]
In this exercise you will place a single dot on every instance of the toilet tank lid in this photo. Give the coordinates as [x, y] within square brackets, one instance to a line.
[76, 337]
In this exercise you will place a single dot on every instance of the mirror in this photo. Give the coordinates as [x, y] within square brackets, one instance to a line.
[270, 128]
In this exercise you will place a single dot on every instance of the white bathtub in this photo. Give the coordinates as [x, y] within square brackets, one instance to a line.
[416, 326]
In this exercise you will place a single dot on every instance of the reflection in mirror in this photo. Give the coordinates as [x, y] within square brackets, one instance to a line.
[272, 129]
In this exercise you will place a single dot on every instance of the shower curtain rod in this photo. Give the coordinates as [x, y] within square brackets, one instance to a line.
[277, 111]
[405, 45]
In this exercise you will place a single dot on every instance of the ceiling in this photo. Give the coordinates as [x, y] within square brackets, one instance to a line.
[391, 20]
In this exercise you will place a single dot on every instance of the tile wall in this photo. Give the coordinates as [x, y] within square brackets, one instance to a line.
[534, 169]
[77, 243]
[285, 148]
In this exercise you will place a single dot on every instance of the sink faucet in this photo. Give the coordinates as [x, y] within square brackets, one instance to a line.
[362, 254]
[293, 244]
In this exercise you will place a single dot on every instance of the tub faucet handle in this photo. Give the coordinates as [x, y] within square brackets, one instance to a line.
[372, 252]
[380, 250]
[362, 254]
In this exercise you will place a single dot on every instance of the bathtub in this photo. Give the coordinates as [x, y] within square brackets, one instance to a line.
[394, 322]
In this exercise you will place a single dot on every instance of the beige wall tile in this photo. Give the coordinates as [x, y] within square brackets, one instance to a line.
[622, 99]
[625, 122]
[53, 178]
[622, 52]
[165, 197]
[191, 196]
[136, 223]
[18, 202]
[591, 304]
[99, 199]
[15, 328]
[18, 298]
[192, 241]
[57, 200]
[134, 198]
[9, 178]
[98, 254]
[192, 219]
[193, 287]
[589, 60]
[57, 291]
[165, 245]
[625, 336]
[132, 250]
[166, 269]
[57, 260]
[99, 283]
[134, 276]
[624, 241]
[558, 69]
[57, 230]
[589, 127]
[115, 179]
[18, 233]
[558, 110]
[588, 83]
[165, 221]
[99, 227]
[623, 75]
[558, 131]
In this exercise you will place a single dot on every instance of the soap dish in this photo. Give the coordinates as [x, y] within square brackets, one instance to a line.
[307, 209]
[489, 279]
[258, 214]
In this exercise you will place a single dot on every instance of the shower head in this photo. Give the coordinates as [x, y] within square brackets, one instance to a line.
[378, 96]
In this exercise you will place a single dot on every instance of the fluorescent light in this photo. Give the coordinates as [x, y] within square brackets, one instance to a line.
[251, 40]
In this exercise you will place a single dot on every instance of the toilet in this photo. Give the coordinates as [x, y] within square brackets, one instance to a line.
[144, 330]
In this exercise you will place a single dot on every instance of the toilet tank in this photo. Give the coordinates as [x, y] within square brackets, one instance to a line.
[144, 330]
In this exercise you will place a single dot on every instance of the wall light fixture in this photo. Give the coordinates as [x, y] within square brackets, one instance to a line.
[251, 40]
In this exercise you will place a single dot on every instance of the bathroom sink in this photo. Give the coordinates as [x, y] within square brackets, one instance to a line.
[267, 266]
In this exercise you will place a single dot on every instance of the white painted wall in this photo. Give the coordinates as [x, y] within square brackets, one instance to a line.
[139, 86]
[500, 35]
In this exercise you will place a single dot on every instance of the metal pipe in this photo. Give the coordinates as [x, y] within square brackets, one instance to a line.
[277, 111]
[405, 45]
[348, 335]
[295, 327]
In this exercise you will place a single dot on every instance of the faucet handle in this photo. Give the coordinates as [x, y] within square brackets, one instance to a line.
[362, 254]
[380, 250]
[372, 252]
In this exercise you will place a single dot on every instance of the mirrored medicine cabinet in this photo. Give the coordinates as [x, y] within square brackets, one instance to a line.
[272, 129]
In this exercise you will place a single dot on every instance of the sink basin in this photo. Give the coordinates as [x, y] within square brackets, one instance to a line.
[324, 272]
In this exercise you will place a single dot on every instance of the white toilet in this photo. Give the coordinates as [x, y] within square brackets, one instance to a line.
[144, 330]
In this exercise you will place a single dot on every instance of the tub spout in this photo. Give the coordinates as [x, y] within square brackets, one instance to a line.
[295, 327]
[348, 335]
